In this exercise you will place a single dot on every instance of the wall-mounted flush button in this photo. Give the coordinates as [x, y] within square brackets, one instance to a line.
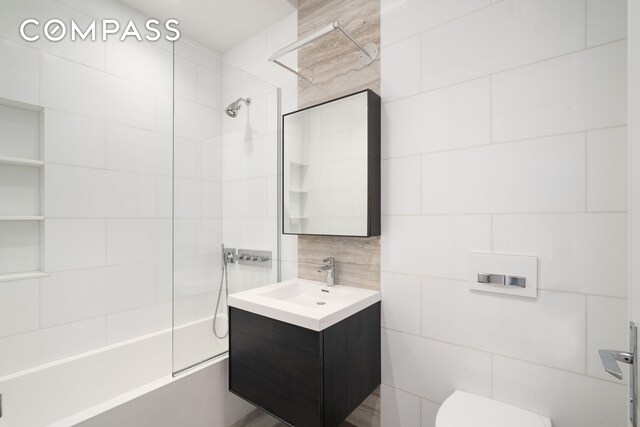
[496, 279]
[516, 281]
[504, 274]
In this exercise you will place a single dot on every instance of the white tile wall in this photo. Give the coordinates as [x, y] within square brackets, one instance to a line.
[71, 244]
[512, 141]
[20, 135]
[134, 60]
[74, 140]
[606, 21]
[87, 192]
[434, 246]
[20, 246]
[211, 193]
[137, 150]
[584, 90]
[506, 35]
[137, 240]
[19, 307]
[134, 323]
[197, 161]
[549, 330]
[399, 408]
[20, 190]
[453, 117]
[583, 253]
[568, 399]
[120, 100]
[428, 413]
[408, 360]
[249, 152]
[404, 18]
[607, 169]
[507, 178]
[108, 111]
[96, 292]
[402, 303]
[607, 326]
[400, 184]
[401, 67]
[19, 75]
[23, 351]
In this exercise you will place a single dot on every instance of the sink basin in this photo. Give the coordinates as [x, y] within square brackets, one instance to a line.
[305, 303]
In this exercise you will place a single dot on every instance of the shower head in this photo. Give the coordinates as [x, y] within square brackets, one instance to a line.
[232, 109]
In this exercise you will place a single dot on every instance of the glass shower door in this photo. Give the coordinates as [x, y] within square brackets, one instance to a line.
[224, 192]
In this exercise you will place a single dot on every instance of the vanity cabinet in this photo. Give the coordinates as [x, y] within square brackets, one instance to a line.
[305, 378]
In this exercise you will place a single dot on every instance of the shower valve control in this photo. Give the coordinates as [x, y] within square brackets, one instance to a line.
[229, 255]
[254, 257]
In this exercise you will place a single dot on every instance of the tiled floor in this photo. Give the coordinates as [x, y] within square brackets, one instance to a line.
[261, 419]
[366, 415]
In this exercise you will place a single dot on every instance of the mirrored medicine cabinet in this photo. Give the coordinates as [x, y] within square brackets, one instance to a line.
[331, 167]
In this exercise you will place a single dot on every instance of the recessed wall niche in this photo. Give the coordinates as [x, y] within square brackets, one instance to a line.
[21, 191]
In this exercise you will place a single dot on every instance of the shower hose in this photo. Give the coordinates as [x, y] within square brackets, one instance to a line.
[224, 279]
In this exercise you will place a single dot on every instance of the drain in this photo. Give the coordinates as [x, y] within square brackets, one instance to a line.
[321, 303]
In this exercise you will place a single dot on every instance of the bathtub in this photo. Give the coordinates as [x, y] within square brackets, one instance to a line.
[127, 380]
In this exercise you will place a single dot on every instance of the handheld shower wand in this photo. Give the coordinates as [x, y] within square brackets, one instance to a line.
[226, 258]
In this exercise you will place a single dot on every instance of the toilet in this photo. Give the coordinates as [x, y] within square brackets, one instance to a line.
[463, 409]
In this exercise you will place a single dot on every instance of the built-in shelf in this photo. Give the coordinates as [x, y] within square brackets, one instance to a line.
[21, 218]
[298, 191]
[21, 191]
[298, 217]
[22, 276]
[21, 162]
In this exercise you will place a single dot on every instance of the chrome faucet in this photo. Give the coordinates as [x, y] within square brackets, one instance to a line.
[328, 266]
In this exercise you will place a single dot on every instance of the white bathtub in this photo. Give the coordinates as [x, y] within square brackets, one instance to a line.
[76, 389]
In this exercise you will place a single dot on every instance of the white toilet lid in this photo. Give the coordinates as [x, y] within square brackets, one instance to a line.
[469, 410]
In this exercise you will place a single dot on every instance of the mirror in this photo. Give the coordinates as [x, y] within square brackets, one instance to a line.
[331, 168]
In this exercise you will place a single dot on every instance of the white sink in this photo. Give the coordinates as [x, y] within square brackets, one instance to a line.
[306, 303]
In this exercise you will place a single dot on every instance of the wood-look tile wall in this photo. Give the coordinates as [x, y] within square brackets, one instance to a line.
[357, 259]
[333, 60]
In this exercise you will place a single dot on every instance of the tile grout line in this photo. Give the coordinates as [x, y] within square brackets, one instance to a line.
[492, 376]
[586, 171]
[491, 234]
[494, 355]
[586, 23]
[520, 213]
[586, 335]
[491, 109]
[506, 70]
[421, 32]
[560, 291]
[532, 139]
[410, 393]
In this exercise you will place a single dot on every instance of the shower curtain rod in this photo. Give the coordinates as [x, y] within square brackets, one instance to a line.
[368, 54]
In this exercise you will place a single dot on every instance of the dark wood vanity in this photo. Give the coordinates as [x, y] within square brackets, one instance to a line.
[305, 378]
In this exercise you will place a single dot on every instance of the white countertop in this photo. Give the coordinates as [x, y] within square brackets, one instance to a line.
[296, 302]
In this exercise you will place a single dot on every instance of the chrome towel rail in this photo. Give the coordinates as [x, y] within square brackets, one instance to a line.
[368, 52]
